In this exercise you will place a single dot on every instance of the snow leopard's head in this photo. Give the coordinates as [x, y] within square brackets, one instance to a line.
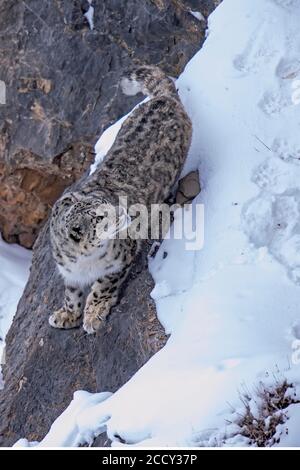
[87, 221]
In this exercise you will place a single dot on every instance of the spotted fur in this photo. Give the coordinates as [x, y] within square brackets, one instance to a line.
[143, 164]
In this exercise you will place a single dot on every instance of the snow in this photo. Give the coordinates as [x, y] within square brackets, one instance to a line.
[2, 92]
[231, 308]
[15, 262]
[90, 15]
[107, 139]
[105, 142]
[68, 424]
[289, 431]
[198, 15]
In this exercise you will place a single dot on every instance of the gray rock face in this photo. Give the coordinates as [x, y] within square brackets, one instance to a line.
[62, 88]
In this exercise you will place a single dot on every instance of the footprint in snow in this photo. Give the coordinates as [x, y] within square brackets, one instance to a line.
[288, 68]
[276, 176]
[285, 3]
[288, 73]
[286, 151]
[273, 102]
[272, 219]
[258, 52]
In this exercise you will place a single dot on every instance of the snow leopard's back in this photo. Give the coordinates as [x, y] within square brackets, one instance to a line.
[151, 146]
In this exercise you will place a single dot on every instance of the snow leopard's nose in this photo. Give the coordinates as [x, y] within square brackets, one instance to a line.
[76, 233]
[78, 227]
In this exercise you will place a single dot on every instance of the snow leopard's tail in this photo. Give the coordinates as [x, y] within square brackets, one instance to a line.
[149, 80]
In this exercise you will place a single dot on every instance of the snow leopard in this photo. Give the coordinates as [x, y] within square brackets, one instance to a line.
[143, 164]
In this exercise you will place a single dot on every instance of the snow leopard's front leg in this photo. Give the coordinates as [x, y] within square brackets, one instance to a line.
[102, 297]
[70, 315]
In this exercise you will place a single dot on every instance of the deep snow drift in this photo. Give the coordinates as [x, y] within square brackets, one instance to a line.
[14, 272]
[231, 308]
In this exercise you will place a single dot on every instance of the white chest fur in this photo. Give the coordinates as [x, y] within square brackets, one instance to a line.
[87, 269]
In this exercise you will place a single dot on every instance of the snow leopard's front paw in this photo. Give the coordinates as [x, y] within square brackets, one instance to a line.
[64, 319]
[92, 324]
[94, 318]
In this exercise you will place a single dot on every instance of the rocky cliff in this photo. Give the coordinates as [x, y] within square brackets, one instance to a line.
[62, 91]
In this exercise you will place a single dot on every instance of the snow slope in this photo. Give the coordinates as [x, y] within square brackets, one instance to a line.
[231, 308]
[14, 272]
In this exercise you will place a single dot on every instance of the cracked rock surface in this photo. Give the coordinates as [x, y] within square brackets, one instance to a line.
[62, 89]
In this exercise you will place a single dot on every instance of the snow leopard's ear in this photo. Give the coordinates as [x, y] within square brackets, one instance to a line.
[65, 201]
[68, 198]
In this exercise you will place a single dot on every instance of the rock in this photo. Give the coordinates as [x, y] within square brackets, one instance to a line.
[188, 188]
[62, 89]
[44, 366]
[29, 187]
[203, 6]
